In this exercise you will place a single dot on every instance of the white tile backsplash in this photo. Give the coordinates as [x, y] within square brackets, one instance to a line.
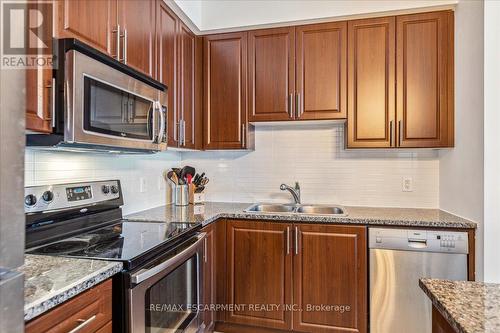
[47, 167]
[313, 154]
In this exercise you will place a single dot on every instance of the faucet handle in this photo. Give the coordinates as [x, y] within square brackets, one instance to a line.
[297, 186]
[283, 187]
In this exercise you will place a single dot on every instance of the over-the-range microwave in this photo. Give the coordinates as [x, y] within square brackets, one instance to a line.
[101, 104]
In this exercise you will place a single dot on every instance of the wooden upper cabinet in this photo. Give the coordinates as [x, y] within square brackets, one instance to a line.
[425, 79]
[38, 100]
[271, 74]
[225, 89]
[137, 21]
[321, 83]
[166, 45]
[372, 85]
[330, 268]
[259, 271]
[92, 22]
[189, 88]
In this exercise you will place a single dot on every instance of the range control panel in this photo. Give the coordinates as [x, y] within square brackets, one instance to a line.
[61, 196]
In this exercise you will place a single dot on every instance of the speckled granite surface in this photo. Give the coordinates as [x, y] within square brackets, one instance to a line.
[469, 307]
[212, 211]
[50, 281]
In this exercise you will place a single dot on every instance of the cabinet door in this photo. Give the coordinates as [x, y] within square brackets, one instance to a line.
[322, 71]
[38, 100]
[329, 269]
[425, 79]
[137, 17]
[92, 22]
[209, 277]
[372, 85]
[225, 89]
[259, 266]
[166, 45]
[190, 56]
[271, 68]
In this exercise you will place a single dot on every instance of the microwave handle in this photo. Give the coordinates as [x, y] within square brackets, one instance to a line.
[153, 125]
[145, 274]
[162, 123]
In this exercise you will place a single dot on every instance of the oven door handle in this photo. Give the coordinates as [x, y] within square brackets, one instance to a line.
[145, 274]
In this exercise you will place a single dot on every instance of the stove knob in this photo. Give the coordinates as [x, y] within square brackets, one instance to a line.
[47, 196]
[30, 200]
[105, 189]
[114, 189]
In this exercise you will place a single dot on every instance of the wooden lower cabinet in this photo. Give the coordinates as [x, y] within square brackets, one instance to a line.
[259, 268]
[439, 323]
[330, 278]
[92, 307]
[296, 277]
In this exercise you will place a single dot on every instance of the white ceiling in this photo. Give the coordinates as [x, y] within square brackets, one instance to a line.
[225, 14]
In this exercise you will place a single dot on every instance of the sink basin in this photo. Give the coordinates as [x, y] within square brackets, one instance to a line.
[296, 209]
[271, 208]
[320, 210]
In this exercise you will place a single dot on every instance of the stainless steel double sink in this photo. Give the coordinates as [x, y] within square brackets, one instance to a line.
[296, 209]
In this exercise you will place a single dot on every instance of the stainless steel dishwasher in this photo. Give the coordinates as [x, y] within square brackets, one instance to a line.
[398, 258]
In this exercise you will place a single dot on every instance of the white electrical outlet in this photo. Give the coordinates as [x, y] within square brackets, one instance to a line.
[407, 184]
[142, 185]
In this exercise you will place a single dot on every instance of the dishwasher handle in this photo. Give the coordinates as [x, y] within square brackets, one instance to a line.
[417, 243]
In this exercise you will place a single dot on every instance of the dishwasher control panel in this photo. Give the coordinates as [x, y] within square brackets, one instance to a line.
[419, 240]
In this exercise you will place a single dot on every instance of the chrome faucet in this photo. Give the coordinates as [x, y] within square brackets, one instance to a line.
[295, 192]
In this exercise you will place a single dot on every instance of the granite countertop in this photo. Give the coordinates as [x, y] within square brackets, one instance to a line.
[469, 307]
[50, 281]
[211, 211]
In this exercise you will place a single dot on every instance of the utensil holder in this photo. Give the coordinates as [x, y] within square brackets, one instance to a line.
[181, 195]
[195, 198]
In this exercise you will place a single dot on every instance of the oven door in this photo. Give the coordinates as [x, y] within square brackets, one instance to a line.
[104, 106]
[166, 295]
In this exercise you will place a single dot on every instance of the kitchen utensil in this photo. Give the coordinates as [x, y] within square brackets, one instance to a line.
[195, 179]
[204, 181]
[189, 178]
[174, 178]
[200, 178]
[199, 189]
[187, 170]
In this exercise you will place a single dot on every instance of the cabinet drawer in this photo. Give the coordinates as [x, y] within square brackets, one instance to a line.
[92, 307]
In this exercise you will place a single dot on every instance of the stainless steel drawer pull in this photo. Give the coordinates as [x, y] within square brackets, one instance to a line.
[83, 323]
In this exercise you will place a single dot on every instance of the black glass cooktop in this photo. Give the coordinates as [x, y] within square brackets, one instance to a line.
[125, 241]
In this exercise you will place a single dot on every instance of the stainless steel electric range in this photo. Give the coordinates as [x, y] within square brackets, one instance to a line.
[160, 287]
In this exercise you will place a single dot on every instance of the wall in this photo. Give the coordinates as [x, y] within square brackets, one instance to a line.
[314, 156]
[491, 140]
[220, 14]
[44, 167]
[461, 168]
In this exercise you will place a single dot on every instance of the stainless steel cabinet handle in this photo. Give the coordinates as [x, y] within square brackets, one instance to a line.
[287, 240]
[400, 133]
[125, 43]
[243, 135]
[390, 133]
[298, 107]
[118, 37]
[183, 132]
[83, 323]
[205, 250]
[289, 106]
[296, 240]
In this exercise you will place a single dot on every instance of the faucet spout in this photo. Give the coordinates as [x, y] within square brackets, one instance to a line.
[294, 191]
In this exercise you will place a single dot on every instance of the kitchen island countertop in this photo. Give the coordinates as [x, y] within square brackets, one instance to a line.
[469, 307]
